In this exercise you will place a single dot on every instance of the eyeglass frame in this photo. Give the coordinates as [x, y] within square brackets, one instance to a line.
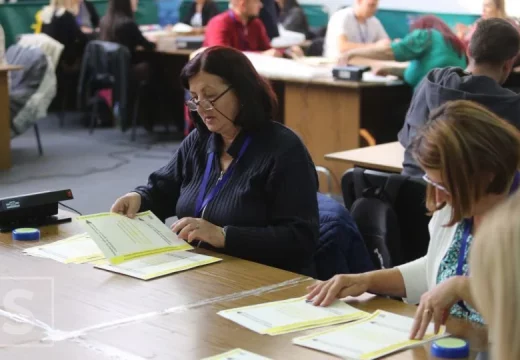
[196, 102]
[427, 179]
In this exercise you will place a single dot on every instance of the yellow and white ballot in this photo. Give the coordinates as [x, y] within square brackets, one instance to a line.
[77, 249]
[380, 334]
[237, 354]
[153, 266]
[281, 317]
[122, 239]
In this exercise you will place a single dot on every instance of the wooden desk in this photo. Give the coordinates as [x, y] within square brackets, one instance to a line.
[174, 317]
[385, 157]
[5, 117]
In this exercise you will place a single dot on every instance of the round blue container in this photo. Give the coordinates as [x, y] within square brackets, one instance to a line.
[450, 348]
[26, 234]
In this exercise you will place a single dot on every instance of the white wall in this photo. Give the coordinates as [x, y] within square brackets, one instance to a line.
[432, 6]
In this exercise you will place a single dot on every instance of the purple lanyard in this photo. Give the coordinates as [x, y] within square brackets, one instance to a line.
[363, 34]
[467, 231]
[242, 33]
[203, 201]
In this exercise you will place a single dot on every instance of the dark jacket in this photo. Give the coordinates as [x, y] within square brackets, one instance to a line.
[94, 16]
[208, 11]
[341, 249]
[127, 33]
[294, 19]
[442, 85]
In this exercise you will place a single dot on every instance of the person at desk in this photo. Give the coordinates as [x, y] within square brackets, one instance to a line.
[292, 17]
[87, 17]
[431, 44]
[59, 22]
[354, 27]
[241, 183]
[470, 157]
[240, 28]
[495, 277]
[492, 52]
[200, 13]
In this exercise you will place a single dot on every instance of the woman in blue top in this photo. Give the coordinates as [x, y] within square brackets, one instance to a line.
[430, 44]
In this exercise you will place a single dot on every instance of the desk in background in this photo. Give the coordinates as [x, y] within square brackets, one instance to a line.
[5, 116]
[386, 157]
[96, 301]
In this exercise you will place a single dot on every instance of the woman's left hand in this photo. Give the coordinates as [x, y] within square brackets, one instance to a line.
[191, 229]
[435, 304]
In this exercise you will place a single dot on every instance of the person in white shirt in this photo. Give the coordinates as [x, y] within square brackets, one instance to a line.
[354, 27]
[470, 157]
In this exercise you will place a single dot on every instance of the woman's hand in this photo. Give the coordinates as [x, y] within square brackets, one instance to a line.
[323, 293]
[190, 229]
[436, 304]
[127, 205]
[381, 70]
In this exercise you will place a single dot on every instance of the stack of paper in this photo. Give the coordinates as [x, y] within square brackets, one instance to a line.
[77, 249]
[154, 266]
[121, 238]
[281, 317]
[380, 334]
[237, 354]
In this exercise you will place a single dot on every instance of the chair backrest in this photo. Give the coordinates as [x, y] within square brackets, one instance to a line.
[408, 205]
[48, 45]
[341, 249]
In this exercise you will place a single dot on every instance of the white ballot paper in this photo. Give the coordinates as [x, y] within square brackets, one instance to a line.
[380, 334]
[77, 249]
[121, 238]
[237, 354]
[281, 317]
[154, 266]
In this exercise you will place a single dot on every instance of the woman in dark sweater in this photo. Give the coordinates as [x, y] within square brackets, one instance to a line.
[292, 17]
[87, 17]
[200, 12]
[59, 22]
[241, 183]
[118, 25]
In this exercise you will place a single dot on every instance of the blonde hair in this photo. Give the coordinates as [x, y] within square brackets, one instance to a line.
[467, 143]
[500, 5]
[495, 276]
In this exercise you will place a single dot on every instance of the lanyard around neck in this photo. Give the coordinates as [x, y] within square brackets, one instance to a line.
[202, 200]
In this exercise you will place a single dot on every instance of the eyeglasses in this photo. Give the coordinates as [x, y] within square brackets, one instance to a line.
[434, 184]
[205, 104]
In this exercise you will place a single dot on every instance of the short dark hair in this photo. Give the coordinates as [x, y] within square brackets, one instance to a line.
[256, 98]
[494, 42]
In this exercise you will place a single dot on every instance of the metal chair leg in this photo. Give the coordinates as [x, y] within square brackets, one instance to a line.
[136, 112]
[38, 140]
[93, 118]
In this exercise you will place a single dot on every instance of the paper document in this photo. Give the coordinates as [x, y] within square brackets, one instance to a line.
[121, 238]
[237, 354]
[77, 249]
[378, 335]
[154, 266]
[286, 316]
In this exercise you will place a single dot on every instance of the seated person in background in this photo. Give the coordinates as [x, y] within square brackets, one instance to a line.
[87, 17]
[240, 183]
[495, 277]
[431, 44]
[240, 28]
[492, 51]
[118, 25]
[471, 158]
[269, 18]
[354, 27]
[59, 22]
[292, 17]
[200, 13]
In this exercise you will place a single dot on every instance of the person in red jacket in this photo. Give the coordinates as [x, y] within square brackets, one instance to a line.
[240, 28]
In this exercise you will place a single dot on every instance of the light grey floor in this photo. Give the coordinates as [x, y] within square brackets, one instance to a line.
[97, 168]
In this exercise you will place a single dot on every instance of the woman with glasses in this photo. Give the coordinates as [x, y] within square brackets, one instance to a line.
[470, 157]
[240, 183]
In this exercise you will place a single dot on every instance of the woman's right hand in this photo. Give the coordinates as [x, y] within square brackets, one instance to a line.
[323, 293]
[128, 204]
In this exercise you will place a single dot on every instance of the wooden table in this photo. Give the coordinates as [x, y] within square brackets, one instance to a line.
[329, 114]
[385, 157]
[5, 117]
[97, 314]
